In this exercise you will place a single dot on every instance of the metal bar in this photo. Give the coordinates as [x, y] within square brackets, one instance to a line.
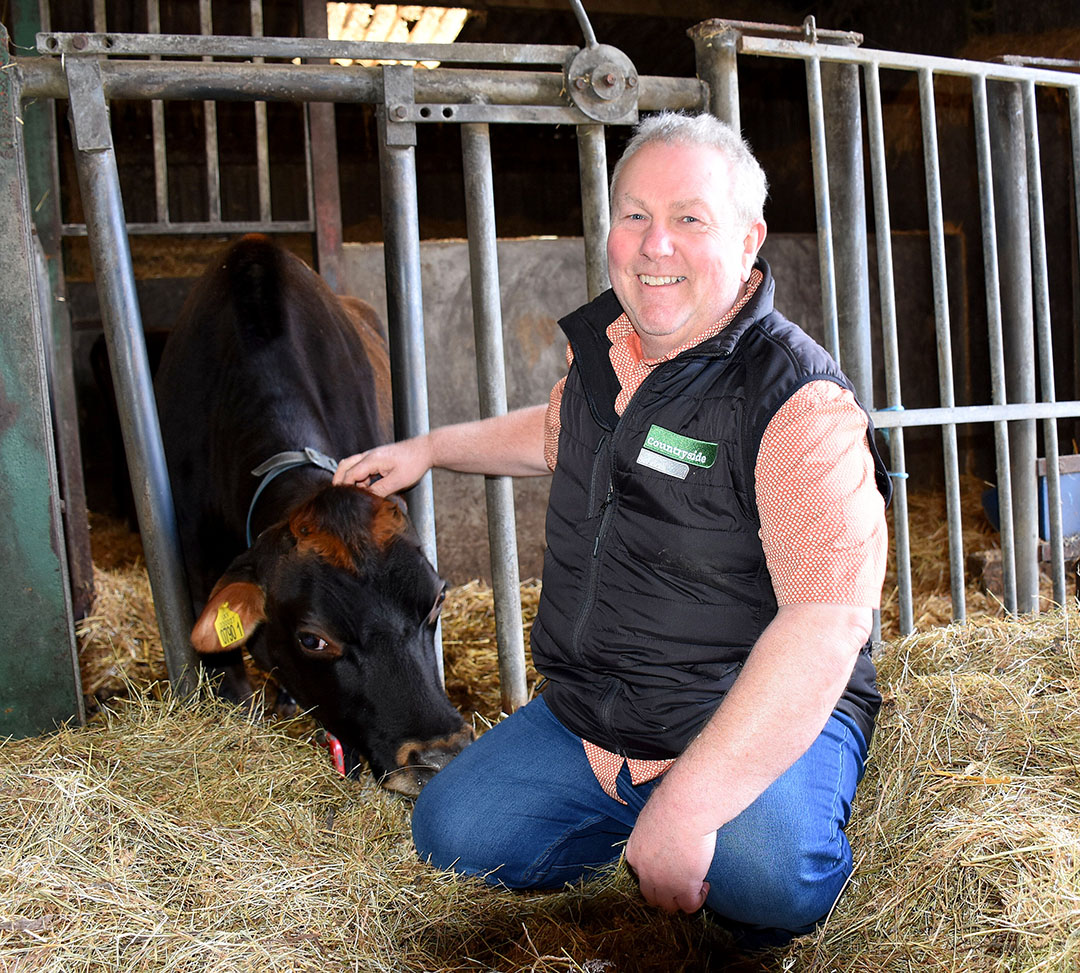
[491, 371]
[217, 227]
[994, 331]
[226, 81]
[39, 667]
[157, 128]
[210, 133]
[191, 45]
[262, 147]
[944, 343]
[900, 61]
[1044, 340]
[890, 344]
[404, 303]
[717, 65]
[847, 211]
[976, 413]
[1074, 132]
[99, 187]
[596, 214]
[39, 135]
[320, 137]
[821, 202]
[1014, 274]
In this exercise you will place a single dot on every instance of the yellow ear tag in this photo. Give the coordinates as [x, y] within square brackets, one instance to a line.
[228, 625]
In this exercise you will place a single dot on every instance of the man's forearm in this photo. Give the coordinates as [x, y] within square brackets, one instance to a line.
[506, 445]
[777, 708]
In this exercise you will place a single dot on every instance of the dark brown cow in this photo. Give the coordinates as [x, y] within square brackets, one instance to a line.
[333, 596]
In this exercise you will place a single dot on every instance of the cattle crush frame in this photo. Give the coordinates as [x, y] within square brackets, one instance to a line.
[587, 88]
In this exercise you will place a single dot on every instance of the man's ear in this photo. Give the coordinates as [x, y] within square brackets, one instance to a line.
[236, 607]
[755, 237]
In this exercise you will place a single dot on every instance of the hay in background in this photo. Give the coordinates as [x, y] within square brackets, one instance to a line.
[967, 826]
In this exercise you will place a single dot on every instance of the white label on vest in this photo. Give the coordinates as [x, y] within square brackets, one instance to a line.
[662, 464]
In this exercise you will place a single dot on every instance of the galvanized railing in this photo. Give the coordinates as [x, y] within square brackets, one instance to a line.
[718, 43]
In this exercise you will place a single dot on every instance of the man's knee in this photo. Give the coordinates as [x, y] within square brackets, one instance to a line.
[786, 884]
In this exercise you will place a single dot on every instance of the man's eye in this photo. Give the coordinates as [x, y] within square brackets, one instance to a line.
[690, 219]
[312, 642]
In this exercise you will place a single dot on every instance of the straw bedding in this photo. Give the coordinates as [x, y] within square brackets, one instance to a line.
[193, 837]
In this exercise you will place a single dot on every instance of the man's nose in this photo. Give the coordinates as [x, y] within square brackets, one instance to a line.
[656, 242]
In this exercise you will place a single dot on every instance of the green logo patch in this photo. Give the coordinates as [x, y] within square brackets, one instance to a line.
[696, 452]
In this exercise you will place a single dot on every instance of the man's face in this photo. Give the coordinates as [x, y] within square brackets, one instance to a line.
[677, 253]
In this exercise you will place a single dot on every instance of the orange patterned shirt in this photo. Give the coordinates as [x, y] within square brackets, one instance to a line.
[822, 517]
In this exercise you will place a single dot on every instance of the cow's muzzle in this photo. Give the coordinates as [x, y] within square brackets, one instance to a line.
[417, 761]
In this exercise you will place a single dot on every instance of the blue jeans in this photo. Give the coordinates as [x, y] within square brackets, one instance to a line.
[521, 808]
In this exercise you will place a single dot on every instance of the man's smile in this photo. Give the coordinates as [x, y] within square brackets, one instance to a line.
[650, 281]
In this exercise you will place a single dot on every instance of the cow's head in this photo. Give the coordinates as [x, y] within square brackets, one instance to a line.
[339, 603]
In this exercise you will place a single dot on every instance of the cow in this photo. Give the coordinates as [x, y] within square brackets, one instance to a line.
[267, 371]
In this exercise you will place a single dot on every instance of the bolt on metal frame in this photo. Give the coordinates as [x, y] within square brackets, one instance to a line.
[717, 44]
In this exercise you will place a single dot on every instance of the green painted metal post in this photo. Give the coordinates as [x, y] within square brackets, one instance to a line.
[39, 675]
[43, 185]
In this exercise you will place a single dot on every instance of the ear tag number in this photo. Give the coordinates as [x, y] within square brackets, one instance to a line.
[228, 625]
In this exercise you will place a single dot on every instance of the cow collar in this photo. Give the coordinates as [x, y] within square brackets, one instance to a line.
[279, 463]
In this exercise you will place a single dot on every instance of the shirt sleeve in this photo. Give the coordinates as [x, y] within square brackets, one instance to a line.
[552, 422]
[822, 517]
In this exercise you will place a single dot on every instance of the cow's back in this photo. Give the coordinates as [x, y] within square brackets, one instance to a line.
[263, 359]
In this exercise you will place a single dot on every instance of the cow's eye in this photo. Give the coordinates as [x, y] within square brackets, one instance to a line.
[312, 642]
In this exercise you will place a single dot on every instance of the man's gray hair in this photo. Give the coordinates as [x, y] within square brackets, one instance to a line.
[749, 186]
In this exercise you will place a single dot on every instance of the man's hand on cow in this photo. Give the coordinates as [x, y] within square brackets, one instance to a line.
[669, 860]
[386, 469]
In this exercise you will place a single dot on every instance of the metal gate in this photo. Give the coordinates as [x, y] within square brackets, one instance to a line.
[588, 88]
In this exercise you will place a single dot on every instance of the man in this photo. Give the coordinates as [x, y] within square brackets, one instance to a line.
[716, 546]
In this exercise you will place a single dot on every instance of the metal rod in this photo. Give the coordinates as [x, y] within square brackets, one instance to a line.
[847, 211]
[944, 341]
[583, 23]
[157, 128]
[890, 344]
[404, 305]
[209, 45]
[202, 226]
[900, 61]
[1005, 107]
[994, 331]
[976, 413]
[596, 214]
[717, 65]
[491, 371]
[42, 77]
[99, 187]
[1074, 132]
[212, 161]
[1044, 340]
[321, 159]
[262, 146]
[819, 155]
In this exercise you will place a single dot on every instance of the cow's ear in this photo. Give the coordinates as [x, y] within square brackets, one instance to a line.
[234, 611]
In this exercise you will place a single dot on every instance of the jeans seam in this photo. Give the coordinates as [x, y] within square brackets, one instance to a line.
[534, 870]
[835, 839]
